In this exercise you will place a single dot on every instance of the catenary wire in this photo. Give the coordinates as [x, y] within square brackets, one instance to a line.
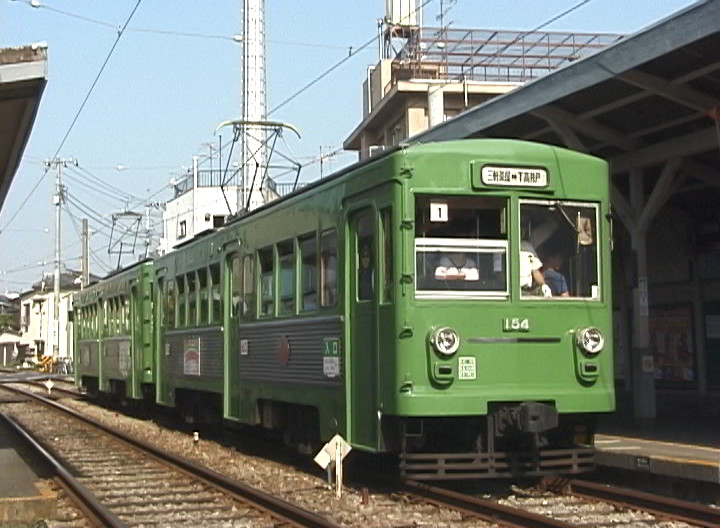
[77, 115]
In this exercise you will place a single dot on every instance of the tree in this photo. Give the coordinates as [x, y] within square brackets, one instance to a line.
[7, 322]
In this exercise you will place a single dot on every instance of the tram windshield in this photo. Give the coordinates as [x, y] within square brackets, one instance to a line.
[558, 250]
[461, 247]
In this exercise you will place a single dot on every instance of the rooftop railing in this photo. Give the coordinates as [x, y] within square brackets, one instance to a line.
[492, 55]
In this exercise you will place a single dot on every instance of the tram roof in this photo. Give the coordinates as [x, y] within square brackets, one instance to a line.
[647, 99]
[23, 75]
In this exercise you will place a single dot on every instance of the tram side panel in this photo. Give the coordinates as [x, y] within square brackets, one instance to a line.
[287, 371]
[188, 343]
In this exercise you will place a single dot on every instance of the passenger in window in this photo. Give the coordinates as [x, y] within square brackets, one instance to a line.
[553, 277]
[457, 266]
[532, 280]
[366, 276]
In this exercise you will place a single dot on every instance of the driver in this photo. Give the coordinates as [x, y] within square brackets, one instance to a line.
[457, 266]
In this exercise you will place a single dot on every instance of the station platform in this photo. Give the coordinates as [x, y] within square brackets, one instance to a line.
[683, 442]
[24, 496]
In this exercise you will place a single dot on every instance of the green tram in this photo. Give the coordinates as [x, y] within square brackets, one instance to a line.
[448, 302]
[113, 334]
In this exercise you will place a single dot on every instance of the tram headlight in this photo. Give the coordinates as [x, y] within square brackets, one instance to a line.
[590, 340]
[445, 340]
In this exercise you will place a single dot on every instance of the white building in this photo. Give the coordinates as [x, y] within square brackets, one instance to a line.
[200, 204]
[37, 318]
[8, 348]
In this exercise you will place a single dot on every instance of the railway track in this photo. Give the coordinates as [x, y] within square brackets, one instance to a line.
[558, 503]
[122, 482]
[563, 503]
[662, 507]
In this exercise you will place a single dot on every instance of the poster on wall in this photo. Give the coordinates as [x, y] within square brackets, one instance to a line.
[124, 358]
[191, 356]
[671, 341]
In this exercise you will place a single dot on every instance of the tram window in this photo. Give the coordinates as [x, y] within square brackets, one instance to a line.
[249, 305]
[328, 267]
[236, 284]
[216, 293]
[286, 277]
[387, 245]
[107, 317]
[126, 318]
[181, 300]
[191, 283]
[170, 304]
[204, 307]
[267, 284]
[111, 316]
[308, 273]
[558, 249]
[461, 246]
[479, 217]
[120, 308]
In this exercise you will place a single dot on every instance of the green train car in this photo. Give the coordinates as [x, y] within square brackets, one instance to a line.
[113, 334]
[447, 302]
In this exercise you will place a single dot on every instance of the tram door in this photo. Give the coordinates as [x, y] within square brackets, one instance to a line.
[136, 359]
[362, 292]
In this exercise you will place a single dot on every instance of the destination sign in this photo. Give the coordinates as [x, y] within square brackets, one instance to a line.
[514, 176]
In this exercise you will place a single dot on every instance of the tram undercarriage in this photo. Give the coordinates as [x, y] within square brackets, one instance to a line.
[513, 440]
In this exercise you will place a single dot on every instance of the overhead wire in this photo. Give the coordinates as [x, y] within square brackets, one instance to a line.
[335, 66]
[90, 213]
[94, 190]
[121, 31]
[169, 32]
[99, 181]
[92, 254]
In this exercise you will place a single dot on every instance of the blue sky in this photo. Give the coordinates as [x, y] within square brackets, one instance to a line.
[162, 95]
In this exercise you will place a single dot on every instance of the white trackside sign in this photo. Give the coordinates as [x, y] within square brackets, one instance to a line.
[514, 176]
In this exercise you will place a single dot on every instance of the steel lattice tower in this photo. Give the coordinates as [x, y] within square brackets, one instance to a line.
[253, 102]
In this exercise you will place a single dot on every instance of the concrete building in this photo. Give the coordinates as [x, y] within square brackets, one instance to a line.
[439, 73]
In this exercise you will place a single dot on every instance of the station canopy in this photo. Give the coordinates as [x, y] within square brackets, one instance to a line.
[23, 75]
[646, 102]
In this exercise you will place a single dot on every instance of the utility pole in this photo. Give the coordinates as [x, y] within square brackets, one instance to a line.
[85, 280]
[58, 163]
[321, 162]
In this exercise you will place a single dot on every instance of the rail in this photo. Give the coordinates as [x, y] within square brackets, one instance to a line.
[484, 509]
[675, 509]
[87, 502]
[276, 507]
